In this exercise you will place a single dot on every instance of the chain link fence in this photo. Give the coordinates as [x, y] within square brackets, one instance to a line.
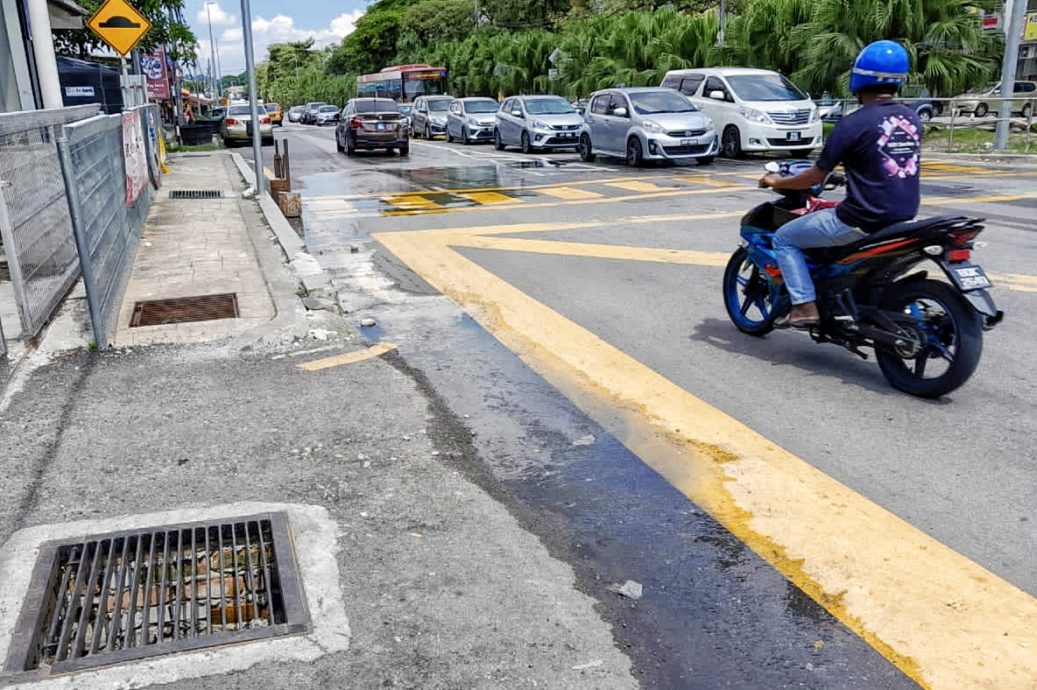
[35, 226]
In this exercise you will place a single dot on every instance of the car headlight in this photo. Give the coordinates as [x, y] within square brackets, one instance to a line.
[709, 125]
[472, 121]
[540, 124]
[653, 127]
[814, 115]
[754, 115]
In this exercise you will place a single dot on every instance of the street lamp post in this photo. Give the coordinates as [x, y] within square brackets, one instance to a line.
[250, 68]
[212, 49]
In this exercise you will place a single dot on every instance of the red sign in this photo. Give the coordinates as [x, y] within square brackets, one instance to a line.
[154, 68]
[992, 21]
[134, 155]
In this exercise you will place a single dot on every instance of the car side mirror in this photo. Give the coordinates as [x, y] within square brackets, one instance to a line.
[516, 113]
[717, 95]
[620, 112]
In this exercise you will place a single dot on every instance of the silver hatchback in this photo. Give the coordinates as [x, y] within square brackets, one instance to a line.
[537, 122]
[641, 124]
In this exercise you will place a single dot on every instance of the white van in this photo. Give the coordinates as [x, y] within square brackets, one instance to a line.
[753, 109]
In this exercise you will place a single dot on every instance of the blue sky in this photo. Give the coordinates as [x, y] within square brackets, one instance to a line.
[272, 21]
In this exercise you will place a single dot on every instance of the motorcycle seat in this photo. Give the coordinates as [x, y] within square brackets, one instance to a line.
[903, 229]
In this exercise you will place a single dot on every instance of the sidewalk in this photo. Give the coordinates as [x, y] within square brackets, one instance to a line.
[415, 576]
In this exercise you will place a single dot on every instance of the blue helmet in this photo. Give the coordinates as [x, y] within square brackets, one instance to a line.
[881, 62]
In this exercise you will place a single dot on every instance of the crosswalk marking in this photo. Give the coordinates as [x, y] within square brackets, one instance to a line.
[570, 193]
[489, 198]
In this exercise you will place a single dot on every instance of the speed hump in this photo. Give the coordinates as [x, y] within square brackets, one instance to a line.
[120, 25]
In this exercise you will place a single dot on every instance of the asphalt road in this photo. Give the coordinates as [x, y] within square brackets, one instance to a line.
[884, 529]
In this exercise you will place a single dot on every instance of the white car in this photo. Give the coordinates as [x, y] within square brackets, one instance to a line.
[326, 115]
[754, 109]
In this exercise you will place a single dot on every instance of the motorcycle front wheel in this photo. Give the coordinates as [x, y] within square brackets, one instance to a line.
[747, 296]
[952, 335]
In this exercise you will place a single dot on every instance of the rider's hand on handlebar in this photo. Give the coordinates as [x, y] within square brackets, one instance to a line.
[768, 180]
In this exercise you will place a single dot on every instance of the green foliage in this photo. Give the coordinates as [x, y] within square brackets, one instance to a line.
[601, 43]
[294, 73]
[175, 35]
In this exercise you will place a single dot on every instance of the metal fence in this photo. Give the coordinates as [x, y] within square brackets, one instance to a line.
[34, 217]
[964, 123]
[106, 229]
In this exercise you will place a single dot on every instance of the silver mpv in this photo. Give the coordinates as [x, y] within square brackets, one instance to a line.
[650, 123]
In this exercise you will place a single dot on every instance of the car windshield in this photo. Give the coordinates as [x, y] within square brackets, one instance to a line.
[272, 107]
[240, 110]
[652, 102]
[406, 109]
[548, 106]
[328, 109]
[438, 105]
[376, 105]
[481, 107]
[765, 87]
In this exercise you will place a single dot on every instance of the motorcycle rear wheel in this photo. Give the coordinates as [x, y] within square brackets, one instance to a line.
[954, 339]
[747, 296]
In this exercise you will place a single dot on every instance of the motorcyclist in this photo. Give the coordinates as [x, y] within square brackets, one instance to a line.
[879, 145]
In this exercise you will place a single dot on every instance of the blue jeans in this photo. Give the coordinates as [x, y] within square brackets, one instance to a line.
[812, 231]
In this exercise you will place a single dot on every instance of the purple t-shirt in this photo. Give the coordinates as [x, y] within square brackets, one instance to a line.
[880, 147]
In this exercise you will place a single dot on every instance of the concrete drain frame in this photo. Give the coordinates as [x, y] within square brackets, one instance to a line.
[116, 597]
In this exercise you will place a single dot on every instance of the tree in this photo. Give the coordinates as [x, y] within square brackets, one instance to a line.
[431, 22]
[174, 35]
[372, 45]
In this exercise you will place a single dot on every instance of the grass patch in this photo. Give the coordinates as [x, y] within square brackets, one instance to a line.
[972, 140]
[179, 148]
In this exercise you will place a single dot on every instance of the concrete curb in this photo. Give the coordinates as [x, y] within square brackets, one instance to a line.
[286, 237]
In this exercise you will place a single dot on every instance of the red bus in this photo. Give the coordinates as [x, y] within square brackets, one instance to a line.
[403, 83]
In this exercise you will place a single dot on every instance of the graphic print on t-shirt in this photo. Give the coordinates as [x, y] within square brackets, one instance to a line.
[899, 145]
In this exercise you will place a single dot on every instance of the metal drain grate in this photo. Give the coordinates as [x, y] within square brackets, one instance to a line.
[122, 596]
[184, 310]
[196, 194]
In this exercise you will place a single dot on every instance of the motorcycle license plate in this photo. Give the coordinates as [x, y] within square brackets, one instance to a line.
[968, 277]
[795, 136]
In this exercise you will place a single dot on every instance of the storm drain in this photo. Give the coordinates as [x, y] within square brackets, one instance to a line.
[118, 597]
[160, 312]
[195, 194]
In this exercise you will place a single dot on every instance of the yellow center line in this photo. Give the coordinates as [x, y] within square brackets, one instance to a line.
[376, 350]
[945, 621]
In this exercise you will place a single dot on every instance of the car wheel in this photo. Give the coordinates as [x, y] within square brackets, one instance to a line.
[731, 143]
[527, 147]
[428, 132]
[338, 143]
[982, 109]
[585, 149]
[269, 141]
[405, 150]
[1025, 112]
[498, 143]
[350, 148]
[227, 143]
[465, 139]
[925, 115]
[705, 160]
[635, 155]
[449, 136]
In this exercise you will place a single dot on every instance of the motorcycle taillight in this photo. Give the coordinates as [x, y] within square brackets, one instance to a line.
[963, 238]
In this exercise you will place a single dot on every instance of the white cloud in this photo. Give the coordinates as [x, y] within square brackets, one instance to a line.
[216, 14]
[278, 29]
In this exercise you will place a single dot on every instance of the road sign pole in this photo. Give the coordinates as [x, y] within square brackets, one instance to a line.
[253, 96]
[1008, 69]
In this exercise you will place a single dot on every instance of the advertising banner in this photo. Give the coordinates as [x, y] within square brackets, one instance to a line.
[154, 68]
[134, 155]
[1030, 33]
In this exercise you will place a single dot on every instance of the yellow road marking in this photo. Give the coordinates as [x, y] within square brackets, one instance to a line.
[489, 198]
[635, 186]
[989, 199]
[411, 201]
[942, 619]
[376, 350]
[951, 167]
[711, 181]
[569, 193]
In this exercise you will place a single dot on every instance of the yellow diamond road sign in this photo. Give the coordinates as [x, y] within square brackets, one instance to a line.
[119, 25]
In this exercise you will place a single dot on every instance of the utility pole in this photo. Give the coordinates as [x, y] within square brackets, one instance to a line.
[177, 99]
[250, 69]
[1008, 69]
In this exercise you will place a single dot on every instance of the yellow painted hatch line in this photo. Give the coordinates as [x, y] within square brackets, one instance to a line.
[635, 186]
[410, 201]
[943, 620]
[490, 198]
[376, 350]
[569, 193]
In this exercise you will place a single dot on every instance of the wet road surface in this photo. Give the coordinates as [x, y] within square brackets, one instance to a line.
[579, 240]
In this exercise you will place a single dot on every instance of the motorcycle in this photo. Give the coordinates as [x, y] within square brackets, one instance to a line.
[927, 335]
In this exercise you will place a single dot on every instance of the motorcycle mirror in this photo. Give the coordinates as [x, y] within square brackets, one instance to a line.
[772, 167]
